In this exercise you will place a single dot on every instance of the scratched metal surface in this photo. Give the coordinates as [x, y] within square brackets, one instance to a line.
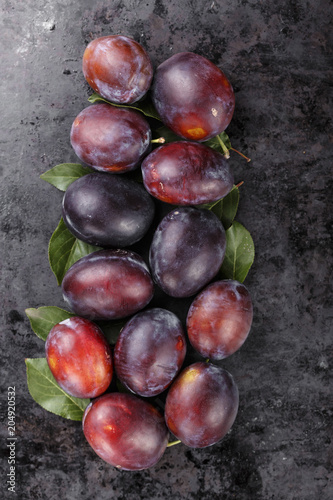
[278, 56]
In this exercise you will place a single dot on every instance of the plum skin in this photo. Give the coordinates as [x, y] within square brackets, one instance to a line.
[193, 96]
[187, 251]
[201, 405]
[79, 357]
[118, 68]
[185, 173]
[107, 210]
[219, 319]
[150, 351]
[110, 139]
[108, 284]
[125, 431]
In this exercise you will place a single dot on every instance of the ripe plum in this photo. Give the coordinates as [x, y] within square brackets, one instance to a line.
[219, 319]
[110, 139]
[150, 351]
[201, 405]
[118, 68]
[108, 284]
[79, 357]
[107, 210]
[125, 431]
[185, 173]
[187, 251]
[193, 96]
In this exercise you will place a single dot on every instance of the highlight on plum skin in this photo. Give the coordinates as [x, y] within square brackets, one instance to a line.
[125, 431]
[201, 405]
[108, 284]
[118, 68]
[219, 319]
[79, 357]
[193, 96]
[186, 173]
[109, 138]
[150, 351]
[107, 210]
[187, 251]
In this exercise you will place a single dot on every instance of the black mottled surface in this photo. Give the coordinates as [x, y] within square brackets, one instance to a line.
[278, 56]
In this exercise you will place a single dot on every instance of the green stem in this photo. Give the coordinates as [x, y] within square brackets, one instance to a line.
[224, 147]
[172, 443]
[160, 140]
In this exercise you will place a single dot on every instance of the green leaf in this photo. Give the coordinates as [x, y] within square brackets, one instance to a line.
[47, 393]
[239, 254]
[225, 208]
[146, 106]
[44, 318]
[215, 142]
[111, 329]
[122, 388]
[65, 249]
[61, 176]
[168, 135]
[229, 207]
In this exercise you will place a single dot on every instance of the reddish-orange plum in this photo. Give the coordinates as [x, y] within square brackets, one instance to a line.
[186, 173]
[219, 319]
[125, 431]
[79, 357]
[110, 139]
[118, 68]
[201, 405]
[108, 284]
[150, 351]
[193, 96]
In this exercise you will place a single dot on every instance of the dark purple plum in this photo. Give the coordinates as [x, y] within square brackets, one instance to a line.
[107, 210]
[187, 251]
[108, 284]
[118, 68]
[109, 138]
[125, 431]
[201, 405]
[150, 351]
[219, 319]
[79, 357]
[186, 173]
[193, 96]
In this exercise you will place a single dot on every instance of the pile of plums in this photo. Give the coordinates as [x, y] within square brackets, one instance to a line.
[196, 101]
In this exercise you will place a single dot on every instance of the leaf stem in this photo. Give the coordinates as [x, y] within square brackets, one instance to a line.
[241, 154]
[172, 443]
[160, 140]
[224, 147]
[239, 184]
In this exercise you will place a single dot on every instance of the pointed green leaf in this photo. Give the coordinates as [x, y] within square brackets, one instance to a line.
[47, 393]
[61, 176]
[215, 142]
[239, 254]
[146, 106]
[167, 134]
[229, 207]
[111, 329]
[65, 249]
[44, 318]
[218, 210]
[225, 208]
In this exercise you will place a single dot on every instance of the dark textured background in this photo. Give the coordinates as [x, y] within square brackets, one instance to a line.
[278, 56]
